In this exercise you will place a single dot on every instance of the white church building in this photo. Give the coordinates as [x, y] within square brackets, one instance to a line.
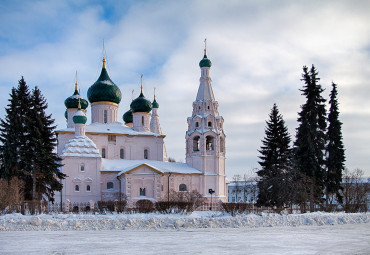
[107, 157]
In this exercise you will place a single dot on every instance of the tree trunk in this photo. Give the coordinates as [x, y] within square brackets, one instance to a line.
[312, 205]
[34, 195]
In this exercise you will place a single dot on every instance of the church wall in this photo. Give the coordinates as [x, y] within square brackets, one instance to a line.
[109, 186]
[83, 172]
[192, 182]
[141, 178]
[133, 146]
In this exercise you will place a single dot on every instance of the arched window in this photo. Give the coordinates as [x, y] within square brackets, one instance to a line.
[105, 116]
[196, 143]
[182, 187]
[82, 168]
[210, 143]
[142, 192]
[222, 144]
[88, 188]
[146, 154]
[77, 188]
[142, 120]
[103, 152]
[109, 185]
[209, 123]
[121, 153]
[197, 124]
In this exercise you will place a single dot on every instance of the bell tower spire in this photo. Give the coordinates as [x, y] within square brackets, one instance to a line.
[205, 138]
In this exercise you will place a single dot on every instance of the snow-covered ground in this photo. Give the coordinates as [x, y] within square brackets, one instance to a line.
[205, 219]
[198, 233]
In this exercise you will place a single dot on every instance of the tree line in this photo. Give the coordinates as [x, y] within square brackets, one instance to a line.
[309, 171]
[28, 161]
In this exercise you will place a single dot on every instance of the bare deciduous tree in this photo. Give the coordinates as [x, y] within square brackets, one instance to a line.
[355, 190]
[11, 194]
[236, 180]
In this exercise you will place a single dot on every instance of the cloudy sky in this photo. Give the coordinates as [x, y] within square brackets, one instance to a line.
[257, 48]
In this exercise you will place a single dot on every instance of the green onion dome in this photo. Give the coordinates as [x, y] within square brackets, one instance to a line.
[104, 89]
[155, 103]
[205, 62]
[141, 104]
[79, 117]
[72, 101]
[127, 117]
[66, 115]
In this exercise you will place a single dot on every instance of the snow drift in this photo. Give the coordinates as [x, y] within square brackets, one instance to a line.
[57, 222]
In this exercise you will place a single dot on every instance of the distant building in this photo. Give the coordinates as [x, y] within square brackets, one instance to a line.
[242, 192]
[106, 158]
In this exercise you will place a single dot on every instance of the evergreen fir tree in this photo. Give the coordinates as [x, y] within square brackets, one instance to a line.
[12, 133]
[274, 161]
[334, 149]
[43, 163]
[27, 144]
[311, 136]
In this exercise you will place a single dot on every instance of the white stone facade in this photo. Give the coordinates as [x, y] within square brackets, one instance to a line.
[106, 157]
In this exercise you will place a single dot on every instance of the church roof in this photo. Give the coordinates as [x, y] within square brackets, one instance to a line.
[141, 104]
[72, 101]
[155, 104]
[104, 89]
[122, 166]
[127, 116]
[112, 128]
[80, 146]
[79, 117]
[205, 62]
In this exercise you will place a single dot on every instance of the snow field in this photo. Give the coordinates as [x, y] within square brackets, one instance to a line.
[153, 221]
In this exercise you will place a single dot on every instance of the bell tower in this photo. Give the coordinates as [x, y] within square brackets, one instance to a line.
[205, 138]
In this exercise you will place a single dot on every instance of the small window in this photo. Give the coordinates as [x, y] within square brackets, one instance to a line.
[182, 187]
[77, 188]
[105, 116]
[88, 188]
[112, 138]
[196, 143]
[121, 153]
[146, 154]
[142, 120]
[109, 185]
[208, 107]
[196, 124]
[142, 192]
[103, 152]
[209, 143]
[82, 168]
[209, 124]
[222, 144]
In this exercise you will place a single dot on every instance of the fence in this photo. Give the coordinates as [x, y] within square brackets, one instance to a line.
[37, 207]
